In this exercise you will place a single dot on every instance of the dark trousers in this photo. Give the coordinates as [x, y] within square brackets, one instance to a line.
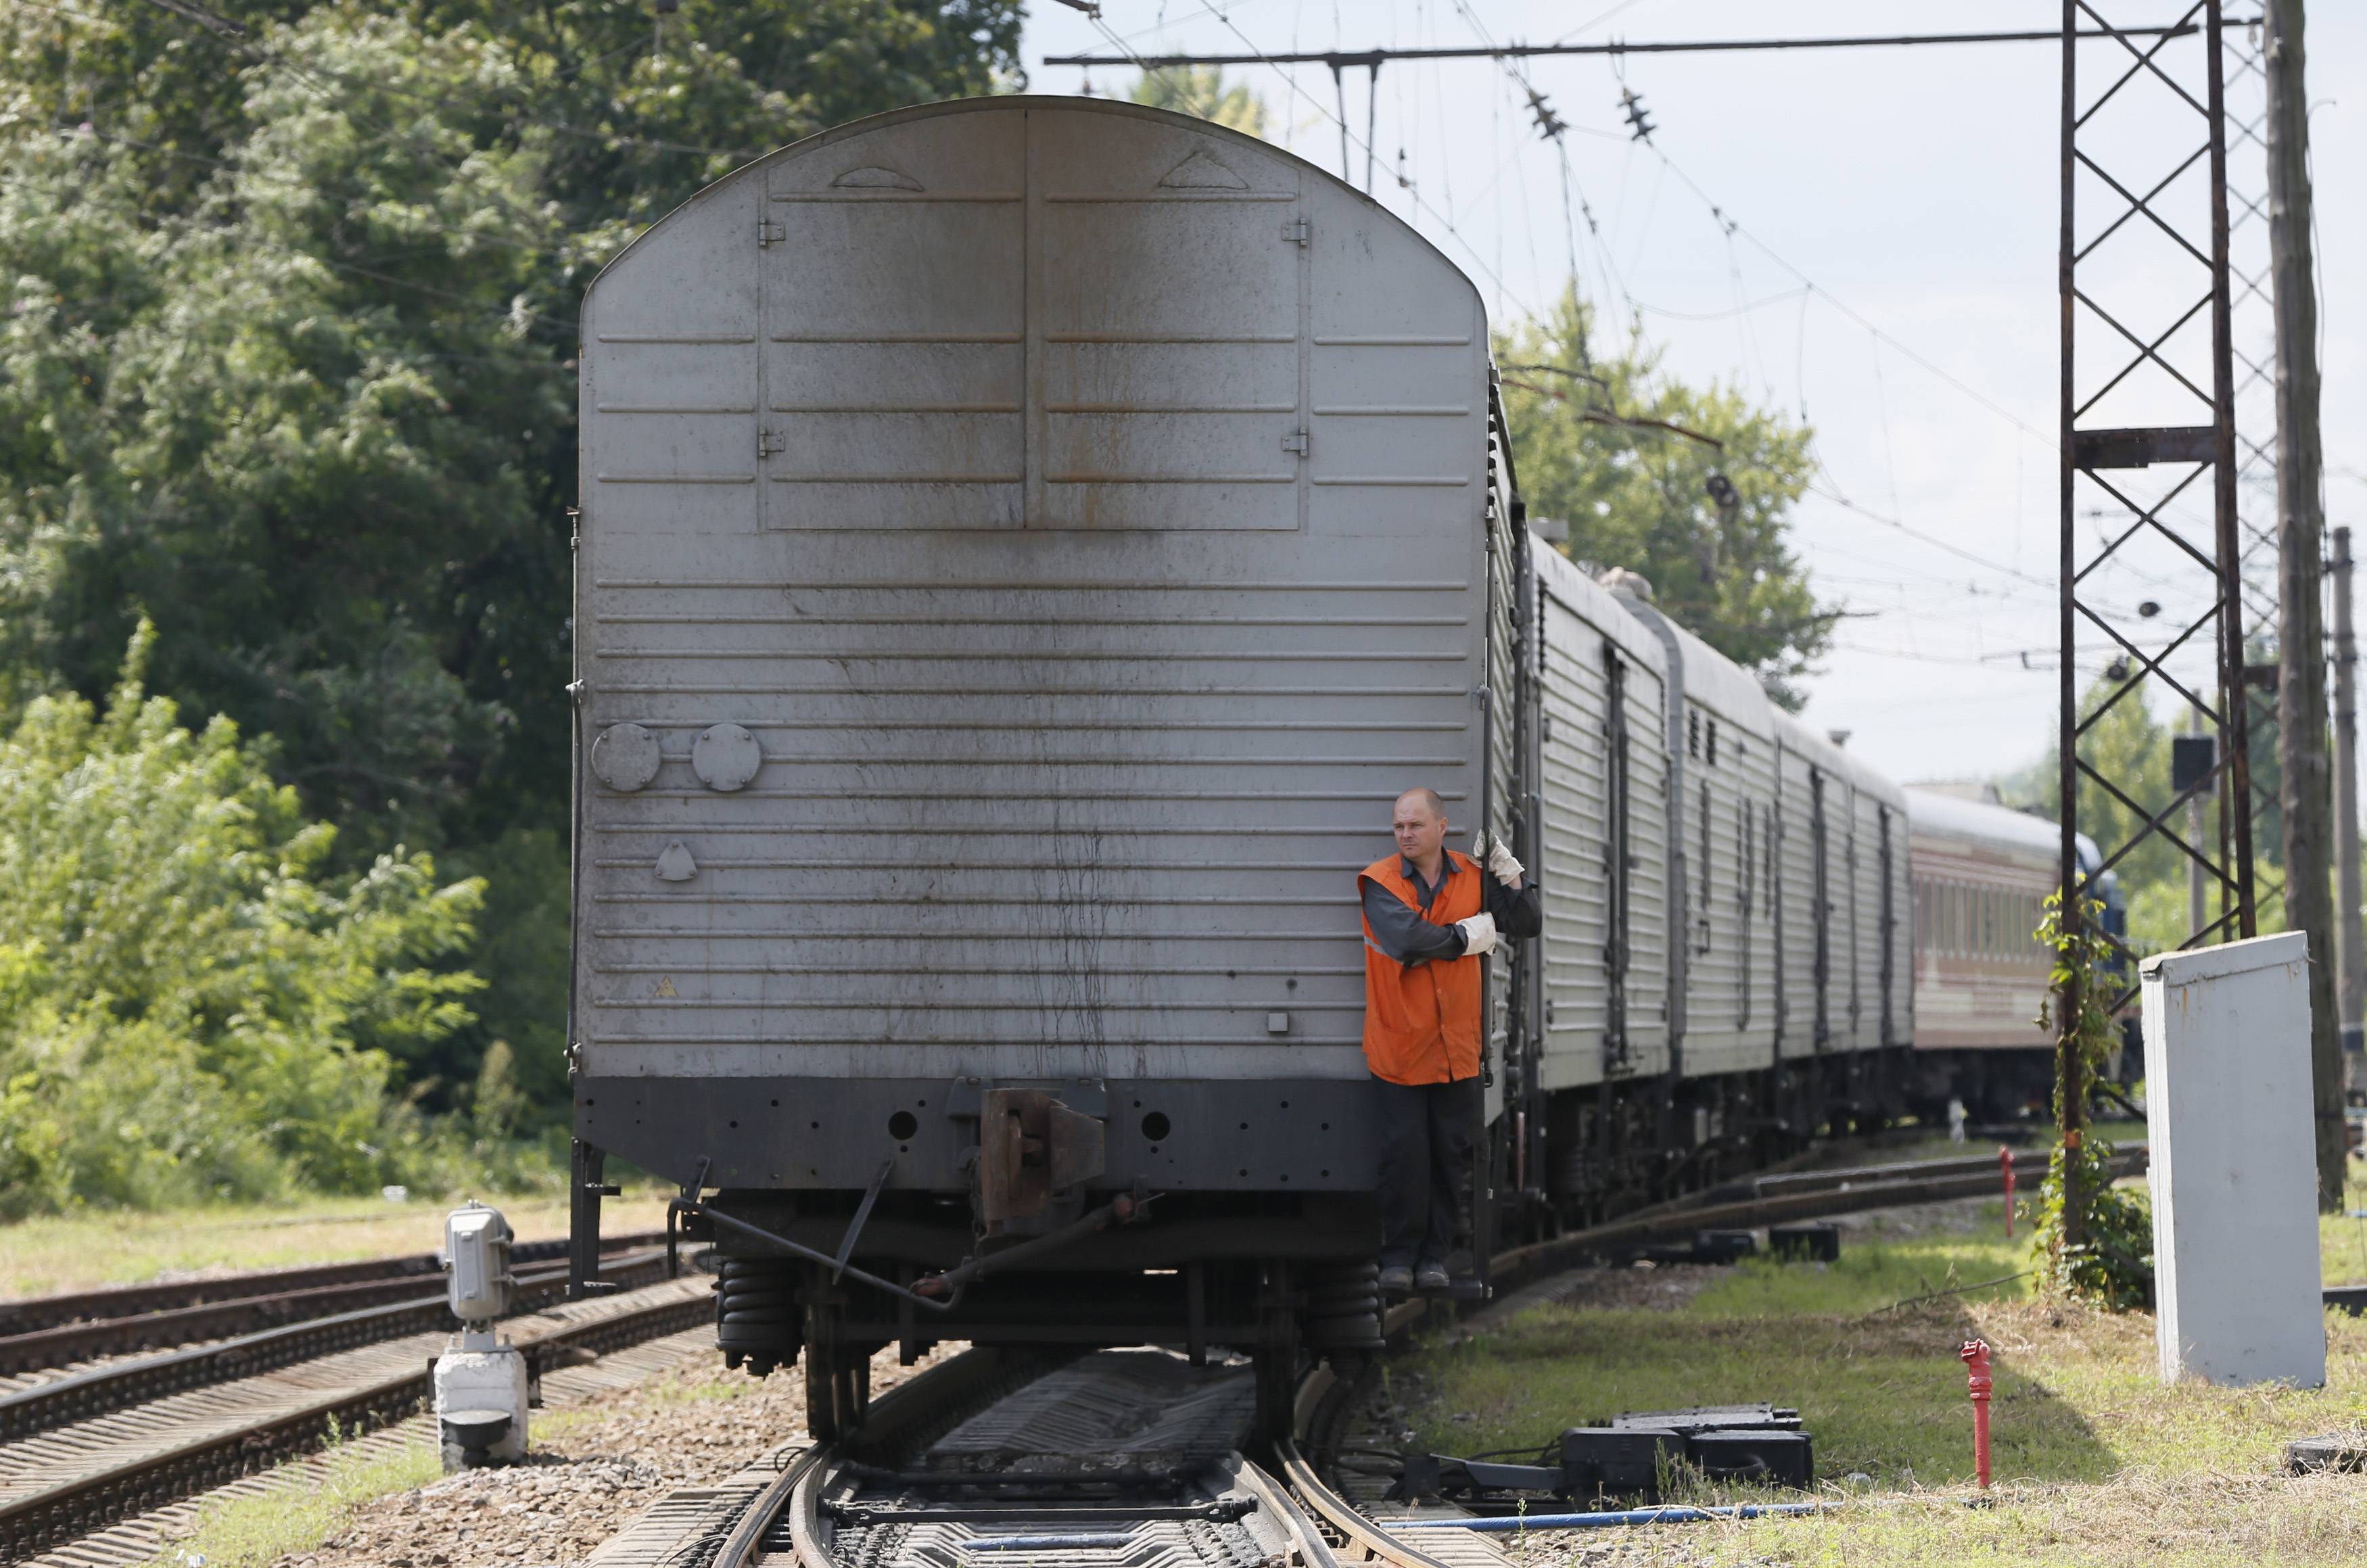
[1426, 1136]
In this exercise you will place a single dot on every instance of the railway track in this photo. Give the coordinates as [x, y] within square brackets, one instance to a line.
[1790, 1196]
[1133, 1458]
[40, 1332]
[1137, 1459]
[63, 1483]
[120, 1384]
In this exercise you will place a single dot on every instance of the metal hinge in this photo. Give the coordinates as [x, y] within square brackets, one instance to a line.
[767, 443]
[767, 232]
[1296, 441]
[1296, 232]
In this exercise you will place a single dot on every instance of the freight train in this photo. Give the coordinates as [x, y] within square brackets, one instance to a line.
[1026, 544]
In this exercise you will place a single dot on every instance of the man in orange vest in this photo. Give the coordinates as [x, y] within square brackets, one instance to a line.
[1430, 915]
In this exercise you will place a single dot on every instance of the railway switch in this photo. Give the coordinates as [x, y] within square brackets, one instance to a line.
[482, 1385]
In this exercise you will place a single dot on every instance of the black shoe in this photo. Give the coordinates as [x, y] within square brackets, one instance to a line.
[1430, 1276]
[1397, 1279]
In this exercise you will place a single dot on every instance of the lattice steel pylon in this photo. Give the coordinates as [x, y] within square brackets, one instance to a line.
[2252, 356]
[2148, 416]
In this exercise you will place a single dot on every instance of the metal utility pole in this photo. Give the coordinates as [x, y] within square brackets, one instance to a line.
[2198, 908]
[2350, 970]
[2070, 1092]
[2307, 796]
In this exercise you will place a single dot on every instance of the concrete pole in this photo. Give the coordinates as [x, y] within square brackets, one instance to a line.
[2307, 793]
[2350, 970]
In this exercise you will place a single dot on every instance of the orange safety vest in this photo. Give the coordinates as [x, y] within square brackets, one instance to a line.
[1422, 1023]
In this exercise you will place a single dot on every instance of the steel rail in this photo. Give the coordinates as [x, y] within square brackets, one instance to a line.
[129, 1305]
[789, 1510]
[1363, 1540]
[1846, 1197]
[896, 1413]
[46, 1407]
[2023, 1161]
[68, 1342]
[1366, 1541]
[79, 1504]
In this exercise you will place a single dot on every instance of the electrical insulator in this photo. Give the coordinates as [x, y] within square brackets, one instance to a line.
[1633, 102]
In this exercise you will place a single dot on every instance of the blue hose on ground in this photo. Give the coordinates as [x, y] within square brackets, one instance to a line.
[1673, 1515]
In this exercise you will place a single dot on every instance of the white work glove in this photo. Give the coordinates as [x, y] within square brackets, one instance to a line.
[1478, 934]
[1497, 856]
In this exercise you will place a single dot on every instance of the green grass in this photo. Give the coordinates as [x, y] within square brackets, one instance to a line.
[1876, 1274]
[306, 1507]
[2096, 1463]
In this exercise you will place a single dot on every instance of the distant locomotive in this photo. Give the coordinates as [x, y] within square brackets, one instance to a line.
[1026, 545]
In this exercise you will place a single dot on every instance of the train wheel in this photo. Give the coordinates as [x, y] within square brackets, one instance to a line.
[1277, 1389]
[838, 1375]
[852, 1390]
[821, 1395]
[1277, 1356]
[838, 1392]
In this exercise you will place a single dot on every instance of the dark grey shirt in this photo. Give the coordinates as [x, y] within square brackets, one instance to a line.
[1407, 935]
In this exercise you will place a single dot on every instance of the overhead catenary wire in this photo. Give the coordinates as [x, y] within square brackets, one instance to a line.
[1614, 50]
[1843, 501]
[1506, 53]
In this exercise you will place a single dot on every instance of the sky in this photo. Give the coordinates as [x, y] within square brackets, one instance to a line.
[1866, 239]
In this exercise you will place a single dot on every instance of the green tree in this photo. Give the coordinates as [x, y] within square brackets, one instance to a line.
[191, 1006]
[287, 365]
[1202, 90]
[1627, 456]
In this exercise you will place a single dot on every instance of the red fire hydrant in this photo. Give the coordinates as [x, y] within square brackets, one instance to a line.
[1976, 1380]
[2005, 1161]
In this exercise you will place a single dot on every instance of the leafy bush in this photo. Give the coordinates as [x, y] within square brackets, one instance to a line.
[287, 358]
[2112, 1264]
[189, 1007]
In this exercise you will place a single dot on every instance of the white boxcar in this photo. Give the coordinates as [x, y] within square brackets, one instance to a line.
[1063, 527]
[1026, 545]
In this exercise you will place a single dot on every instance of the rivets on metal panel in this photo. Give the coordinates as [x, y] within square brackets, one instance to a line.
[624, 756]
[674, 864]
[725, 756]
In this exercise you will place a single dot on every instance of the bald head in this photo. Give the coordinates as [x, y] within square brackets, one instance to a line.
[1419, 823]
[1428, 798]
